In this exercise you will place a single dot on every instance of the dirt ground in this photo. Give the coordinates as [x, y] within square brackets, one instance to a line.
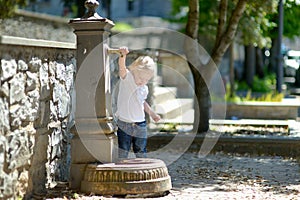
[218, 177]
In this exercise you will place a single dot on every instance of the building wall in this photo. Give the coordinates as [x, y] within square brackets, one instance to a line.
[154, 8]
[120, 9]
[52, 7]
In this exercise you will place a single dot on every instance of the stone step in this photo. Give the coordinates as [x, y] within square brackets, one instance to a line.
[187, 118]
[251, 122]
[174, 108]
[162, 94]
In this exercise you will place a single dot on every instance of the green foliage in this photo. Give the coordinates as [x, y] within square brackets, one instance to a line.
[271, 96]
[235, 98]
[255, 24]
[208, 19]
[7, 8]
[121, 27]
[178, 5]
[291, 17]
[76, 196]
[264, 85]
[169, 127]
[291, 25]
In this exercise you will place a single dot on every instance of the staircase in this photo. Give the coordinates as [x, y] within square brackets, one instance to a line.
[172, 109]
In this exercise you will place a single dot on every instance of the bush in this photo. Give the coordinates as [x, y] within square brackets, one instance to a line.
[121, 27]
[263, 85]
[263, 89]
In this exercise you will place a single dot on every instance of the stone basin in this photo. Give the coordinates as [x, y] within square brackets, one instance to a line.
[127, 177]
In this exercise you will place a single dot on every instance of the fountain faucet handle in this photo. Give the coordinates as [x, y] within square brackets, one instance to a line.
[113, 51]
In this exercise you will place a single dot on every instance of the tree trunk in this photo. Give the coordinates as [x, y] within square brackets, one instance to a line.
[231, 67]
[273, 56]
[224, 38]
[249, 64]
[81, 8]
[259, 63]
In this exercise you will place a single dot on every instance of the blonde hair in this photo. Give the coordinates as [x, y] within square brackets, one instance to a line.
[143, 63]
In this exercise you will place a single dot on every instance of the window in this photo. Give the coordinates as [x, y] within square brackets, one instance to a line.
[130, 6]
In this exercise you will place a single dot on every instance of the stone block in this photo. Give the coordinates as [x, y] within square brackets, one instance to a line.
[4, 115]
[33, 98]
[69, 76]
[8, 69]
[4, 89]
[35, 64]
[22, 65]
[16, 120]
[63, 100]
[17, 88]
[19, 150]
[26, 110]
[32, 81]
[7, 182]
[3, 146]
[60, 71]
[53, 112]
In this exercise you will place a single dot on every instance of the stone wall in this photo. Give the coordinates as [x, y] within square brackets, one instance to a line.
[36, 93]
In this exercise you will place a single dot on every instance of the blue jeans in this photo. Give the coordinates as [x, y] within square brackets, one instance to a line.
[134, 134]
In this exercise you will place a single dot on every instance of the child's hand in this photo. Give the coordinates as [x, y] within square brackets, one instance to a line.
[155, 117]
[124, 51]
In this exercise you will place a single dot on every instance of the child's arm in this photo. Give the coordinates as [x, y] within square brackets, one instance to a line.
[152, 114]
[122, 62]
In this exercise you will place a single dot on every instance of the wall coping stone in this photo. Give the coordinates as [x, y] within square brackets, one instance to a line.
[42, 16]
[20, 41]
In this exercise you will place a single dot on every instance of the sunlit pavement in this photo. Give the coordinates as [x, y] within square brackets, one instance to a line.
[226, 176]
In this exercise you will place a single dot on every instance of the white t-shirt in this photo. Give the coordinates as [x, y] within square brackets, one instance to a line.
[131, 98]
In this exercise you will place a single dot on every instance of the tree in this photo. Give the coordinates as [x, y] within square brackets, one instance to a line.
[7, 8]
[291, 27]
[224, 37]
[254, 29]
[230, 14]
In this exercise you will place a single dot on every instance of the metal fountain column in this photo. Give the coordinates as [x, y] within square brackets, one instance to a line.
[94, 139]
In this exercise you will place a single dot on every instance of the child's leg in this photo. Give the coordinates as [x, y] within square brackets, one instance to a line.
[139, 140]
[124, 143]
[124, 138]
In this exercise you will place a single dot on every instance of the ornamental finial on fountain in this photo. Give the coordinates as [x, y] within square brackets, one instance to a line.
[91, 6]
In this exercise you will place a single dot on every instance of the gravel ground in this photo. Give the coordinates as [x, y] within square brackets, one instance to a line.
[223, 176]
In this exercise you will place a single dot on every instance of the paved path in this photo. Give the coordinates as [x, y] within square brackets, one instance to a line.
[225, 177]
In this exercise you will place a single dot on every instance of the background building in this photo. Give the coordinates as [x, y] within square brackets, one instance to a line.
[119, 9]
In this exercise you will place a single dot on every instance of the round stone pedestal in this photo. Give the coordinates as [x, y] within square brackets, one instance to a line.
[127, 177]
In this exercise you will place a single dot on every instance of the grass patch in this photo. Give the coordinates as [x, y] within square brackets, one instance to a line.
[122, 27]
